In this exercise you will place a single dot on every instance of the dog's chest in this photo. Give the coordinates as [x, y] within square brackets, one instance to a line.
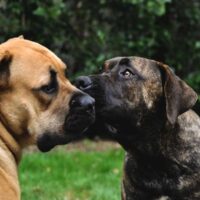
[158, 177]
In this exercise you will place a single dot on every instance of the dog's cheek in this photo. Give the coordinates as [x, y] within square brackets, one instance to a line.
[52, 120]
[15, 115]
[152, 93]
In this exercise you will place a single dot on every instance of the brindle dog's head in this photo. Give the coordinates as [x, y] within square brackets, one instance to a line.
[38, 104]
[135, 93]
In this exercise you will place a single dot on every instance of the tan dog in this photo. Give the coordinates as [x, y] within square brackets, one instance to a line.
[38, 105]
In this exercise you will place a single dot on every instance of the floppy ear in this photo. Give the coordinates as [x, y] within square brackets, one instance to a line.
[5, 60]
[179, 96]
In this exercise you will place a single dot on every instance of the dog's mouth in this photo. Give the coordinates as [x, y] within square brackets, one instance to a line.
[76, 123]
[75, 126]
[81, 114]
[111, 129]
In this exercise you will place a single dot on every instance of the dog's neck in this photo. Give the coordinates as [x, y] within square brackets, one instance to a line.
[10, 142]
[150, 139]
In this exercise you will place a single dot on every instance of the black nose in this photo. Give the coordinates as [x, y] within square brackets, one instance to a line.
[82, 101]
[83, 83]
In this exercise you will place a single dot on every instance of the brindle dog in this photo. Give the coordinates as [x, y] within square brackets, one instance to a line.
[144, 106]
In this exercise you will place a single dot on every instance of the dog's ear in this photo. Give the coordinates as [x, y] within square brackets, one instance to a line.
[179, 97]
[5, 61]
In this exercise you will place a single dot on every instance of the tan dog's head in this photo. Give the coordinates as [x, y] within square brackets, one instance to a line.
[38, 104]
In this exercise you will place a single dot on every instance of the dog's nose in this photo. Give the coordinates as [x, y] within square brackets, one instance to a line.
[82, 101]
[83, 83]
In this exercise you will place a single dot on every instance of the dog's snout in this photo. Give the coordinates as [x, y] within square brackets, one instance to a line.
[87, 102]
[83, 101]
[83, 83]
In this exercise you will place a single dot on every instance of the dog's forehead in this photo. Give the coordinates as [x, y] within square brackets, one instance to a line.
[108, 64]
[144, 66]
[31, 62]
[22, 48]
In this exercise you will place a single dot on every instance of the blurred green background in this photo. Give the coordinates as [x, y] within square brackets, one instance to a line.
[85, 171]
[84, 33]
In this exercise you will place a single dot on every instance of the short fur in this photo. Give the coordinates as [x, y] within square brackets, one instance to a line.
[144, 106]
[35, 106]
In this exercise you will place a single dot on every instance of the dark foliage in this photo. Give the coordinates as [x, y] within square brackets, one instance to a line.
[85, 33]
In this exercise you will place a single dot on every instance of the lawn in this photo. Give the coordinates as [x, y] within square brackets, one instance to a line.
[71, 175]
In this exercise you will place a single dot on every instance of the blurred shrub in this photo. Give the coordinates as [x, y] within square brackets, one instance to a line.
[85, 33]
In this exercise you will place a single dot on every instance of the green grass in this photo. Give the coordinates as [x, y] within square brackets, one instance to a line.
[73, 175]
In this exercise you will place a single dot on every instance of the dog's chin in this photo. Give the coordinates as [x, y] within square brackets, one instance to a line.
[47, 141]
[75, 126]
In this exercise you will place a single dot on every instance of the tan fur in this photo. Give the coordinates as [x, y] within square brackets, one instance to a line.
[25, 113]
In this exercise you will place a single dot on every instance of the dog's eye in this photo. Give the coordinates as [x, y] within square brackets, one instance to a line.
[52, 86]
[127, 74]
[49, 89]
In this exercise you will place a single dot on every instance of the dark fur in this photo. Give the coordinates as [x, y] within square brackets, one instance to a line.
[149, 114]
[4, 70]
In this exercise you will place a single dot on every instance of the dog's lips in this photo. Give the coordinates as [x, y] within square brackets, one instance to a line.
[77, 122]
[111, 129]
[75, 125]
